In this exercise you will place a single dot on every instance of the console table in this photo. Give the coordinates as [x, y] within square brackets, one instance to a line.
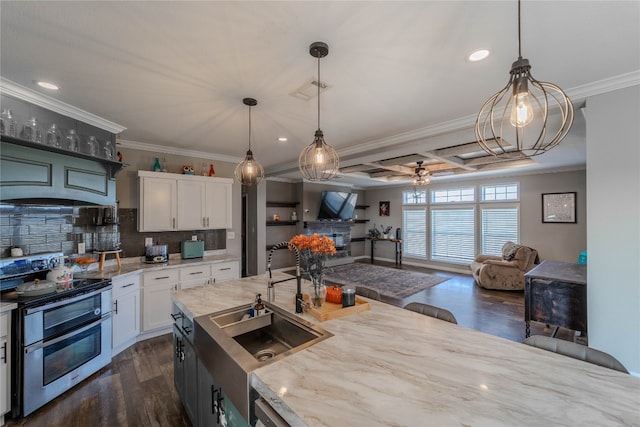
[398, 243]
[556, 293]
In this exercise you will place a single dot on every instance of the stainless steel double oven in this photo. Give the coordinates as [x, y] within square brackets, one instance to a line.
[59, 338]
[64, 342]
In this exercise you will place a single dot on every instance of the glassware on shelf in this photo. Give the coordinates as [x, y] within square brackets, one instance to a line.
[72, 141]
[205, 169]
[108, 150]
[54, 139]
[31, 131]
[8, 125]
[164, 164]
[156, 165]
[92, 146]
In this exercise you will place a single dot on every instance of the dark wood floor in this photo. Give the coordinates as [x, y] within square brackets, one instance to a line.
[137, 388]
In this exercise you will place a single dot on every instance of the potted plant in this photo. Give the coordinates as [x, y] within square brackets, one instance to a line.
[385, 231]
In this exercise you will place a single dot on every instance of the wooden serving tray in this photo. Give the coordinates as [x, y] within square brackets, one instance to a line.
[331, 310]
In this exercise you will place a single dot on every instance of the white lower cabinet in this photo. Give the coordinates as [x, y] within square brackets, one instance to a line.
[156, 298]
[5, 364]
[223, 271]
[126, 311]
[198, 275]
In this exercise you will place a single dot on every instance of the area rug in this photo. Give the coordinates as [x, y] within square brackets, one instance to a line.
[387, 281]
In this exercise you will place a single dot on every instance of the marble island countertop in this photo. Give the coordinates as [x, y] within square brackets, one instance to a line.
[390, 366]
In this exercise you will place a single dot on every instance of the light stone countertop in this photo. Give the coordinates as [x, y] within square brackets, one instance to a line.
[132, 266]
[393, 367]
[7, 306]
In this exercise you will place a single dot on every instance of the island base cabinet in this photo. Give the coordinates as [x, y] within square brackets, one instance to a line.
[208, 398]
[185, 375]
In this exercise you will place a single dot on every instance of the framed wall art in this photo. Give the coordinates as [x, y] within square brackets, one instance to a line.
[559, 207]
[384, 208]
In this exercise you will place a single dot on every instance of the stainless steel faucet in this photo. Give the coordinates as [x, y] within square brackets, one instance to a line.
[271, 291]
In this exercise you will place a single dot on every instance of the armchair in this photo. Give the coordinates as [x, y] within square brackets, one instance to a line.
[505, 272]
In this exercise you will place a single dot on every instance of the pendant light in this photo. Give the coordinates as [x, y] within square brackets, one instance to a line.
[515, 122]
[421, 175]
[318, 161]
[249, 172]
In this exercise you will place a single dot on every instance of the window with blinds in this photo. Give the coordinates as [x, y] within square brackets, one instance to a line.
[453, 234]
[499, 225]
[414, 240]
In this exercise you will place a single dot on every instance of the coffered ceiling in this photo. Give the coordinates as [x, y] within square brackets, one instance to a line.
[399, 87]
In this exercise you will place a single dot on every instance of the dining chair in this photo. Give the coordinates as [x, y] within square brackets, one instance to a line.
[575, 350]
[431, 310]
[368, 293]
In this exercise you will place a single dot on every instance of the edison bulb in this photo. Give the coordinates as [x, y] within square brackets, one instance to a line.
[249, 170]
[522, 111]
[319, 156]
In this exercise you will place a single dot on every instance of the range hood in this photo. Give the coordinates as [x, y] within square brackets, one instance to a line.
[53, 176]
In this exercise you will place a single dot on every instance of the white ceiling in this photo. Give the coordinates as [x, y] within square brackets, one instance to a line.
[174, 73]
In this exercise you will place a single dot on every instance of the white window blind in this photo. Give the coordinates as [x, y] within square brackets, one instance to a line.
[414, 240]
[453, 234]
[499, 225]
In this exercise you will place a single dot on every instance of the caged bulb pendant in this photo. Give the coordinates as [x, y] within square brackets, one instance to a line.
[516, 122]
[249, 171]
[318, 161]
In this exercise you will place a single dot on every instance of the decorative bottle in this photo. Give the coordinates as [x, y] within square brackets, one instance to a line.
[156, 165]
[212, 172]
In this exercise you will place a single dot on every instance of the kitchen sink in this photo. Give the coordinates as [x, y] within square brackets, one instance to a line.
[231, 346]
[270, 334]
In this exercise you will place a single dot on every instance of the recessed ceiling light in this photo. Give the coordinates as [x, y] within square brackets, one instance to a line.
[48, 85]
[478, 55]
[282, 139]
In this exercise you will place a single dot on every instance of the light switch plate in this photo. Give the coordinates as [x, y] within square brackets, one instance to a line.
[148, 241]
[231, 235]
[80, 248]
[194, 237]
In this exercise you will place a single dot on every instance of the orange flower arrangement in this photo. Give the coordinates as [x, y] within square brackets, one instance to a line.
[313, 251]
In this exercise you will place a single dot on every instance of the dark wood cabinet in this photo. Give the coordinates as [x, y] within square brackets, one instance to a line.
[555, 293]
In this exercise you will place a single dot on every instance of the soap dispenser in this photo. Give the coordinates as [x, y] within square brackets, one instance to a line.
[259, 307]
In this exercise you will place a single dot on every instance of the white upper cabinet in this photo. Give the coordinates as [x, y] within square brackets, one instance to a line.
[172, 202]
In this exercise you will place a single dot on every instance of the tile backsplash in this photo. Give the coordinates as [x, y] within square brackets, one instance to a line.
[47, 228]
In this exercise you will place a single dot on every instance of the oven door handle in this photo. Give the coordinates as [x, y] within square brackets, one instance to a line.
[68, 301]
[44, 344]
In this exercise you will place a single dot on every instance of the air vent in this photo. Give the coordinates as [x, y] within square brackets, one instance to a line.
[309, 90]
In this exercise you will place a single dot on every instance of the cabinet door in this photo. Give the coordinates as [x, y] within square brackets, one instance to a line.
[126, 318]
[156, 298]
[5, 363]
[191, 205]
[207, 393]
[190, 382]
[158, 204]
[218, 205]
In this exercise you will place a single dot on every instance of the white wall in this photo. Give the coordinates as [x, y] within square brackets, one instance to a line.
[613, 184]
[559, 242]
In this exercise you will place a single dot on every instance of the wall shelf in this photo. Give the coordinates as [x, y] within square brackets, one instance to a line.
[358, 239]
[360, 221]
[362, 206]
[282, 204]
[281, 223]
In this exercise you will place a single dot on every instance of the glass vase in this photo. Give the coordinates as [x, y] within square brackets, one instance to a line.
[317, 291]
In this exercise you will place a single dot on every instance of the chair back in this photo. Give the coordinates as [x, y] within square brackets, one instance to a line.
[431, 310]
[368, 293]
[577, 351]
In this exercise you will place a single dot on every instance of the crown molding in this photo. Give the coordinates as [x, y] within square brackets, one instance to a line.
[143, 146]
[603, 86]
[7, 87]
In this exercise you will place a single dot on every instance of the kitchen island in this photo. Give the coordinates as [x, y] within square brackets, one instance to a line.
[390, 366]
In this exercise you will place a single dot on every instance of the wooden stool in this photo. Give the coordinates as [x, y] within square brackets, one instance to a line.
[104, 254]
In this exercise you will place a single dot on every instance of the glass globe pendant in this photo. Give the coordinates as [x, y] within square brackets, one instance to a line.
[318, 161]
[249, 171]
